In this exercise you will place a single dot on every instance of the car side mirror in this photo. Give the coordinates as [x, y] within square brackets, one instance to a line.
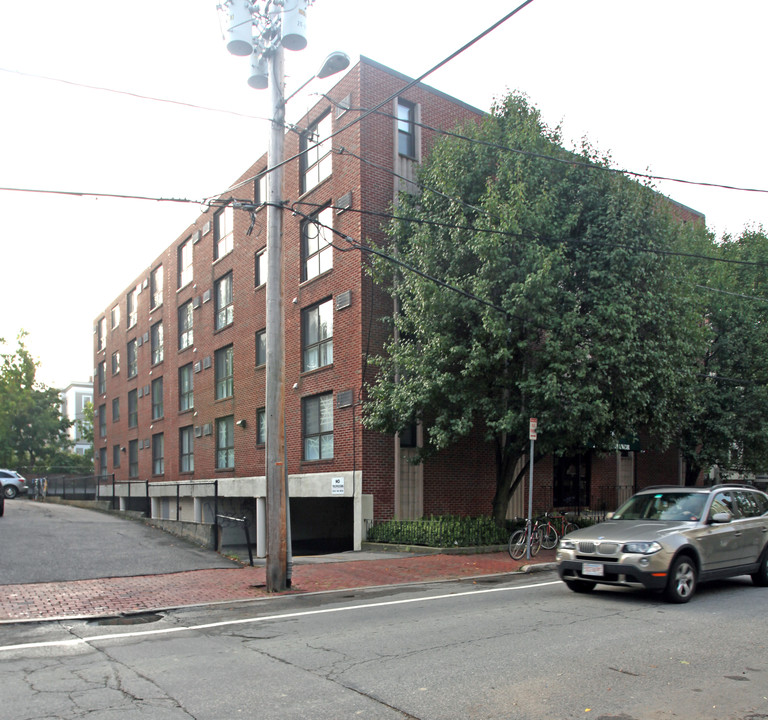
[721, 517]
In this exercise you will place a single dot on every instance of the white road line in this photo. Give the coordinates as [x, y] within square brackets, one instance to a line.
[73, 642]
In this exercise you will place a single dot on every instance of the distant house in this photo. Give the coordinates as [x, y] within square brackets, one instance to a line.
[74, 398]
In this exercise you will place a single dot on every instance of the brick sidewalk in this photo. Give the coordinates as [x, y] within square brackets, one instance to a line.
[126, 595]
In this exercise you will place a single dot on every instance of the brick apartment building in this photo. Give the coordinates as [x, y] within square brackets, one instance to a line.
[179, 354]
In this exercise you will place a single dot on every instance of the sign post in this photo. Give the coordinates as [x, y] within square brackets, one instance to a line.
[532, 427]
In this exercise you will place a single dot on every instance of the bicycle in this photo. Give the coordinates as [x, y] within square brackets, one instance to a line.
[518, 541]
[552, 532]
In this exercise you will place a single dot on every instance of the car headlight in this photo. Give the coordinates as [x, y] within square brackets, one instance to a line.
[642, 548]
[567, 545]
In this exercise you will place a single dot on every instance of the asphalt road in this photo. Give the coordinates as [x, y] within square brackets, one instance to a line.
[519, 648]
[45, 542]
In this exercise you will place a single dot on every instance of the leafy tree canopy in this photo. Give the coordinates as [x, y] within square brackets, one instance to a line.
[730, 426]
[567, 311]
[31, 425]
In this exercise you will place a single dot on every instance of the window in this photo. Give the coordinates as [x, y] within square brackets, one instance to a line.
[224, 373]
[225, 442]
[316, 160]
[101, 375]
[184, 263]
[115, 409]
[132, 360]
[103, 461]
[133, 409]
[572, 481]
[101, 334]
[186, 387]
[260, 272]
[261, 348]
[158, 454]
[224, 306]
[261, 426]
[116, 362]
[133, 458]
[260, 188]
[156, 287]
[157, 398]
[115, 316]
[156, 341]
[132, 306]
[102, 421]
[317, 415]
[406, 130]
[185, 325]
[186, 449]
[115, 456]
[223, 232]
[317, 335]
[316, 250]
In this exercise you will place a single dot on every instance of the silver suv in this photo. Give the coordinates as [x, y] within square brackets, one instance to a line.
[13, 484]
[670, 539]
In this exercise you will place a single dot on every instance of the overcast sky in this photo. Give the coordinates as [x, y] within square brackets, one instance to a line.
[672, 87]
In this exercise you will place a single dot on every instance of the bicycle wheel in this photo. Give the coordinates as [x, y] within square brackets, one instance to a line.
[517, 544]
[548, 537]
[570, 527]
[536, 538]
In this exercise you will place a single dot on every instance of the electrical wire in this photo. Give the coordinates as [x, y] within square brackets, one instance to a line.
[553, 158]
[102, 195]
[139, 96]
[409, 85]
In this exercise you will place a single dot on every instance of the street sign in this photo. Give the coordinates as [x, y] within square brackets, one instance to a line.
[337, 486]
[533, 423]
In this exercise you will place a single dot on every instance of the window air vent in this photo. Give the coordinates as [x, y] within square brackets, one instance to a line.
[145, 284]
[146, 389]
[198, 367]
[343, 106]
[207, 228]
[206, 296]
[207, 361]
[146, 337]
[196, 302]
[140, 392]
[207, 429]
[139, 341]
[196, 236]
[344, 202]
[198, 431]
[344, 398]
[344, 300]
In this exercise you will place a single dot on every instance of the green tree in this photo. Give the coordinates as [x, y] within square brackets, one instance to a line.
[569, 312]
[730, 426]
[31, 424]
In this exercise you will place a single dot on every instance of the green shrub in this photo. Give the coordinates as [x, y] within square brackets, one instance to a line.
[443, 531]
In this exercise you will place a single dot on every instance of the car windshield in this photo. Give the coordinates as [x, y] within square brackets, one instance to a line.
[675, 506]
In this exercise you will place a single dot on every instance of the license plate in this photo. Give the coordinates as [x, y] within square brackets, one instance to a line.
[592, 569]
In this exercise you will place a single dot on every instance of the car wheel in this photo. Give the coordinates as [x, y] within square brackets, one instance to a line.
[581, 587]
[681, 583]
[10, 492]
[760, 578]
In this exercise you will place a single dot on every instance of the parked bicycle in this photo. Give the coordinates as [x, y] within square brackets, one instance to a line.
[556, 526]
[518, 541]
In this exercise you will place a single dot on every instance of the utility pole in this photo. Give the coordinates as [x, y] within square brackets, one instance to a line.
[277, 496]
[265, 48]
